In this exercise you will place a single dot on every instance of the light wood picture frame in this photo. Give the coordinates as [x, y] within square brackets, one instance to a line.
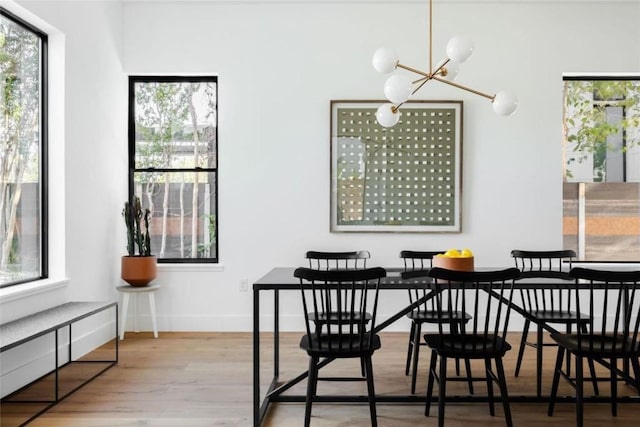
[401, 179]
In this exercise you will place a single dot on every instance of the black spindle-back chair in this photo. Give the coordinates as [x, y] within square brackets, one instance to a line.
[344, 297]
[612, 301]
[546, 306]
[488, 296]
[324, 260]
[417, 264]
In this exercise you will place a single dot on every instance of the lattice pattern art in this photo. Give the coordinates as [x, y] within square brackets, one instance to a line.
[404, 178]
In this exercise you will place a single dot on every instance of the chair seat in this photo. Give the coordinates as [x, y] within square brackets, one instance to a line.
[558, 316]
[431, 316]
[467, 346]
[333, 318]
[599, 345]
[339, 346]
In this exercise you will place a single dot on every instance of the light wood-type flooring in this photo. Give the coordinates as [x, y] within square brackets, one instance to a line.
[205, 379]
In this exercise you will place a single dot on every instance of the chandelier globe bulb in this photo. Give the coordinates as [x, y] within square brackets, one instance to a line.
[398, 88]
[505, 103]
[385, 60]
[459, 49]
[386, 116]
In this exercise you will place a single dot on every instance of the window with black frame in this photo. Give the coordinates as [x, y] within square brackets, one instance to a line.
[23, 145]
[173, 159]
[601, 165]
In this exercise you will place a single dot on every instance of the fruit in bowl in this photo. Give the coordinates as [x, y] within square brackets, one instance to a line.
[453, 259]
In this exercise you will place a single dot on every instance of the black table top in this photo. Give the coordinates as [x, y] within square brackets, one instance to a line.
[282, 278]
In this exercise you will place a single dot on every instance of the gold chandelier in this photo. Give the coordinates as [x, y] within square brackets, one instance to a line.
[399, 87]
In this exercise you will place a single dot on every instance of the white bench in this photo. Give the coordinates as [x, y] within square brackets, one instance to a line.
[28, 328]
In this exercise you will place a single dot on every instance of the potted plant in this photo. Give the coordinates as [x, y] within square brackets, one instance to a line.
[137, 269]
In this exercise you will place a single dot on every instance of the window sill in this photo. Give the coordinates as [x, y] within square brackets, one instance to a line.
[23, 290]
[178, 267]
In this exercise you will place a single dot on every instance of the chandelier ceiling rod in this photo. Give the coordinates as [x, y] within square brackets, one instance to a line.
[398, 88]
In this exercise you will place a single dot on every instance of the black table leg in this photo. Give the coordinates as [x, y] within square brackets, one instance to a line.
[276, 333]
[256, 358]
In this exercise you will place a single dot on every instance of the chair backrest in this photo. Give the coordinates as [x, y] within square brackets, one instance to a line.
[611, 299]
[415, 265]
[545, 264]
[490, 313]
[348, 297]
[418, 260]
[354, 260]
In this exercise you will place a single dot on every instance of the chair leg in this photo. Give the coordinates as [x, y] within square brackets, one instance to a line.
[371, 390]
[594, 380]
[614, 388]
[416, 352]
[556, 380]
[410, 347]
[568, 360]
[579, 392]
[502, 382]
[487, 367]
[523, 343]
[442, 381]
[635, 362]
[362, 367]
[432, 372]
[457, 361]
[592, 367]
[467, 366]
[311, 389]
[539, 346]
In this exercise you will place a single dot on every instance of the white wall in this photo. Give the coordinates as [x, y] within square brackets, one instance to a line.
[279, 65]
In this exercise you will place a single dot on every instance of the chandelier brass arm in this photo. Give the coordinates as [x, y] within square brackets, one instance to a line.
[413, 70]
[468, 89]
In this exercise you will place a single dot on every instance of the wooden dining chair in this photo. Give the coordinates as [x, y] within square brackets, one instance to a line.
[612, 299]
[343, 296]
[546, 306]
[416, 264]
[483, 338]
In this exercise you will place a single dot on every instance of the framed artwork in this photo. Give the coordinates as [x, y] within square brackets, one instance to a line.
[401, 179]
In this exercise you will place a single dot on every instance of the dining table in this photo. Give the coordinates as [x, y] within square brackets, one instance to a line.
[281, 279]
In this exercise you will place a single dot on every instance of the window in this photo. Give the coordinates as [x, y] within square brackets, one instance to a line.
[601, 188]
[23, 155]
[173, 158]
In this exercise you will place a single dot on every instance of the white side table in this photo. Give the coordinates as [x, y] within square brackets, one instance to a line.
[126, 291]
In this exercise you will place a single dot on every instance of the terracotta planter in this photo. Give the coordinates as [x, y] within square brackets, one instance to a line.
[138, 270]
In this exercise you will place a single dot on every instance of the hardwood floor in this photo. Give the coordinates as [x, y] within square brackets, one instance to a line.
[205, 379]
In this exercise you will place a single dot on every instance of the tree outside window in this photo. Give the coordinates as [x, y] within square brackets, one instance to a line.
[173, 163]
[601, 164]
[22, 151]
